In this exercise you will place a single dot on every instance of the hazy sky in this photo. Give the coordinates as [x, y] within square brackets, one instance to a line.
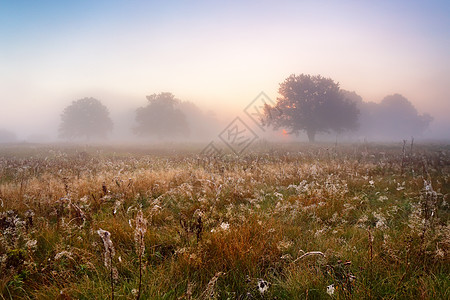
[218, 54]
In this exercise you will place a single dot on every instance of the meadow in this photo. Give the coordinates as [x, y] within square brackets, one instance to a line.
[292, 221]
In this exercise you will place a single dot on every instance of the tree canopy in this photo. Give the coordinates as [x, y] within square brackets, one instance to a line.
[399, 117]
[202, 125]
[394, 117]
[85, 118]
[161, 117]
[313, 104]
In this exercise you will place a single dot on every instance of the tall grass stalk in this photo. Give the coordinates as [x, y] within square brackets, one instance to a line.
[139, 233]
[109, 254]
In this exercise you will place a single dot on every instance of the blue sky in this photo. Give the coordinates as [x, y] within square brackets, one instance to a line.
[218, 54]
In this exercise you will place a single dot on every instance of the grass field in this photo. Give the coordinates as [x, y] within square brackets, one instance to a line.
[297, 221]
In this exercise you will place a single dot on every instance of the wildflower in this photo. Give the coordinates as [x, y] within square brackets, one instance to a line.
[224, 226]
[63, 295]
[282, 245]
[109, 254]
[134, 292]
[61, 254]
[263, 286]
[109, 248]
[31, 244]
[117, 205]
[139, 232]
[381, 221]
[427, 186]
[330, 289]
[380, 224]
[382, 198]
[278, 195]
[198, 213]
[320, 231]
[363, 219]
[400, 187]
[371, 182]
[181, 251]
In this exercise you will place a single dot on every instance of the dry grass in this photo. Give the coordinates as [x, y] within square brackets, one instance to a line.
[221, 227]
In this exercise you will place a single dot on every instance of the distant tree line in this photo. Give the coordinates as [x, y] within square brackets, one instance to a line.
[306, 103]
[163, 117]
[394, 117]
[315, 104]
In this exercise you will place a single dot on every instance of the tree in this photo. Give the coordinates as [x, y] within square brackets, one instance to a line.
[367, 119]
[161, 117]
[86, 117]
[399, 118]
[313, 104]
[202, 125]
[394, 117]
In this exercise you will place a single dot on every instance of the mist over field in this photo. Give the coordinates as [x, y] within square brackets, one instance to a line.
[376, 122]
[219, 57]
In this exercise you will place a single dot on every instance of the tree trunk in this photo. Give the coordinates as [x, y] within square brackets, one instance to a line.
[311, 135]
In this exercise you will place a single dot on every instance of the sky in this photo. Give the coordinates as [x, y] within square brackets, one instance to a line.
[217, 54]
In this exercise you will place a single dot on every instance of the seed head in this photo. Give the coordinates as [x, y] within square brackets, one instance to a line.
[139, 232]
[109, 248]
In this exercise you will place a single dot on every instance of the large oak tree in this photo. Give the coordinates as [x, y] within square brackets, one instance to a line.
[313, 104]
